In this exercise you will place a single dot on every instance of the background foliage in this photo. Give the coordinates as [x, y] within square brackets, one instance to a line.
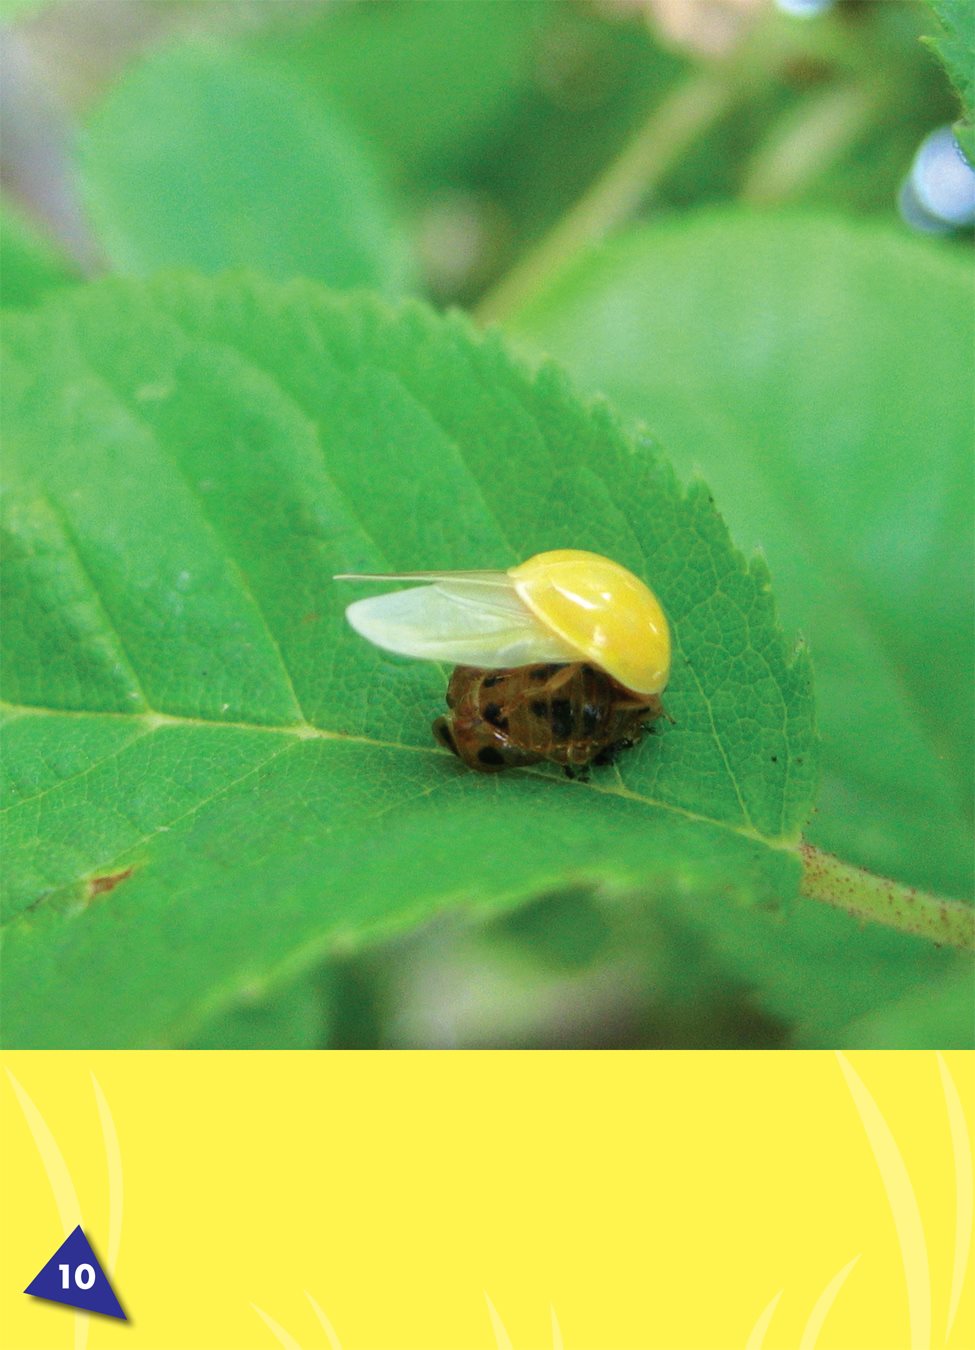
[225, 821]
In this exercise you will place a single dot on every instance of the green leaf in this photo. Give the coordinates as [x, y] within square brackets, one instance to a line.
[203, 157]
[564, 930]
[212, 782]
[426, 81]
[12, 11]
[833, 983]
[818, 374]
[292, 1018]
[29, 265]
[955, 47]
[933, 1016]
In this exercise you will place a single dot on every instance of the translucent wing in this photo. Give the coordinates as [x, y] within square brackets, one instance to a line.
[463, 618]
[479, 578]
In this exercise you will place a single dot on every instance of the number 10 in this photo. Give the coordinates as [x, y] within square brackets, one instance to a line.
[84, 1276]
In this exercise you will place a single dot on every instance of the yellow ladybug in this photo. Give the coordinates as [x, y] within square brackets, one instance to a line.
[561, 658]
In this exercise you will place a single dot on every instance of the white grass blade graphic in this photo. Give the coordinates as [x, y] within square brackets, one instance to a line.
[283, 1337]
[903, 1206]
[961, 1147]
[556, 1332]
[333, 1340]
[757, 1339]
[497, 1326]
[823, 1304]
[65, 1195]
[113, 1164]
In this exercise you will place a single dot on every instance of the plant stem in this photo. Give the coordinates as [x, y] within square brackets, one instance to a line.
[878, 900]
[804, 145]
[671, 127]
[659, 142]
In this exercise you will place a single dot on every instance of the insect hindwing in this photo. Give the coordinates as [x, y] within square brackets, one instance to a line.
[475, 620]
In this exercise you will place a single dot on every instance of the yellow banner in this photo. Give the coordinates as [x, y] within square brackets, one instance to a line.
[494, 1201]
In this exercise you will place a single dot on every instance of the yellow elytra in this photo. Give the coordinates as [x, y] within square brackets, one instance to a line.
[565, 605]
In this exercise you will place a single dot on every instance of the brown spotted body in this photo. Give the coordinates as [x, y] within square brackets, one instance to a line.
[574, 715]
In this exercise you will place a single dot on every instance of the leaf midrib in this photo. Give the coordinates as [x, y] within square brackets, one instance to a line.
[306, 731]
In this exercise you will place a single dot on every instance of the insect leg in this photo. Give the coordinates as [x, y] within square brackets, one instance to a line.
[561, 677]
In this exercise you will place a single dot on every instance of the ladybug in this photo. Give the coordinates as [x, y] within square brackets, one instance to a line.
[562, 658]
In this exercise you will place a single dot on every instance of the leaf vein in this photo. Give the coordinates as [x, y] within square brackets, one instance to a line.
[112, 628]
[81, 773]
[305, 732]
[219, 535]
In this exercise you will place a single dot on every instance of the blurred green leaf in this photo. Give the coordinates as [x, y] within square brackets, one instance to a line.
[818, 374]
[565, 930]
[831, 983]
[937, 1016]
[593, 82]
[955, 46]
[29, 265]
[211, 779]
[290, 1018]
[422, 81]
[203, 157]
[12, 10]
[492, 118]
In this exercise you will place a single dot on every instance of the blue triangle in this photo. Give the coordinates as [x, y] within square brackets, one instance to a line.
[73, 1276]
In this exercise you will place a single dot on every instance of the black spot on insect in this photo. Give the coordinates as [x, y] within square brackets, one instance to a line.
[492, 714]
[488, 755]
[490, 681]
[544, 672]
[539, 707]
[590, 719]
[561, 722]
